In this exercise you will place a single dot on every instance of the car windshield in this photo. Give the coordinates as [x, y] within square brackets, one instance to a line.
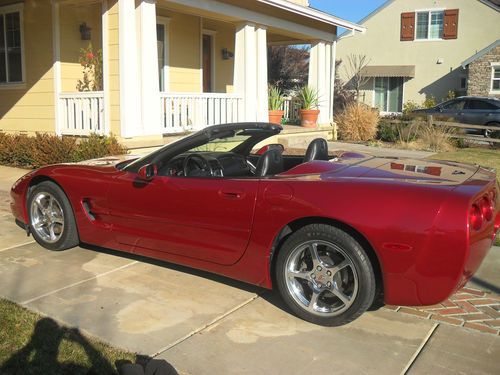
[221, 144]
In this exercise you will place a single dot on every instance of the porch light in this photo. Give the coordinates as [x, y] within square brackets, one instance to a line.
[226, 55]
[85, 31]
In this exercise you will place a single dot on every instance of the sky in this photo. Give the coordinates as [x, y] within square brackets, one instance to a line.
[350, 10]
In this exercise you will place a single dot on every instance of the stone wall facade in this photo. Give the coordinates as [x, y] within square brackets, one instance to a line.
[479, 74]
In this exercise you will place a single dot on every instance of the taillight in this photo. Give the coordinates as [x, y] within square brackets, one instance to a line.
[486, 206]
[476, 217]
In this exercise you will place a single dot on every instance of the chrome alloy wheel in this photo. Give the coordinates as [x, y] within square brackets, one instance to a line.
[321, 278]
[47, 217]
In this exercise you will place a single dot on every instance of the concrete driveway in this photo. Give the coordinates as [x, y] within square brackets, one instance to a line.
[205, 324]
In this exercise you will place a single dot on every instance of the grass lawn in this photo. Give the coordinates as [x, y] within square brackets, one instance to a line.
[33, 344]
[483, 157]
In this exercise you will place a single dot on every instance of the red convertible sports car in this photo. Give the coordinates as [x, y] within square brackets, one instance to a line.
[331, 233]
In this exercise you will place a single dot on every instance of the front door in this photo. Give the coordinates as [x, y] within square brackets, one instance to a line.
[202, 218]
[207, 63]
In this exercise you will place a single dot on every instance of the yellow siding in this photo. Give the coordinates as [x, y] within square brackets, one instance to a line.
[71, 16]
[30, 107]
[223, 38]
[184, 51]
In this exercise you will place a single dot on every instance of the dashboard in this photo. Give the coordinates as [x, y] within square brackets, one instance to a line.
[207, 164]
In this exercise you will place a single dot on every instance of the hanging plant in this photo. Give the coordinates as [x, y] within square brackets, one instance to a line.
[92, 69]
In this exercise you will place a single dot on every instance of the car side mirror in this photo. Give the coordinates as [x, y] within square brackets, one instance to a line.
[440, 109]
[147, 172]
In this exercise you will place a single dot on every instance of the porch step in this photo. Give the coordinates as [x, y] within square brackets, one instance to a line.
[294, 136]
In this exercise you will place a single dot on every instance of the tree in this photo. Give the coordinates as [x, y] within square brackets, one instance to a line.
[287, 67]
[354, 69]
[342, 96]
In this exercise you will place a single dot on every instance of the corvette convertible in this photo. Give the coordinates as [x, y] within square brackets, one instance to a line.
[331, 232]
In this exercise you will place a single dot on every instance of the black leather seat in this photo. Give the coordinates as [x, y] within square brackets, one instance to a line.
[270, 163]
[317, 150]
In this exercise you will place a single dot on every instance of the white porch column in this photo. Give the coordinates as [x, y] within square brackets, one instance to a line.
[149, 80]
[250, 71]
[130, 116]
[321, 78]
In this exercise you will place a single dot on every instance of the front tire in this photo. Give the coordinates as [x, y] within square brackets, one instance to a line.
[325, 276]
[51, 218]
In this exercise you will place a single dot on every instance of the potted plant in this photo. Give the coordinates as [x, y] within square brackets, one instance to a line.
[309, 111]
[275, 99]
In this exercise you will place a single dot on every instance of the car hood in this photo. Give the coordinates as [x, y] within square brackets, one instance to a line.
[107, 161]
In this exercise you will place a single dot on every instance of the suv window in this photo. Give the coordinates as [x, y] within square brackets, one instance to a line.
[481, 104]
[454, 105]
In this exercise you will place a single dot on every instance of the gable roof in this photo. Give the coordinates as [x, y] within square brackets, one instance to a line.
[481, 53]
[495, 4]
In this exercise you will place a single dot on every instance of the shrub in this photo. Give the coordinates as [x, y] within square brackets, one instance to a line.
[387, 132]
[357, 122]
[410, 106]
[437, 138]
[20, 150]
[429, 102]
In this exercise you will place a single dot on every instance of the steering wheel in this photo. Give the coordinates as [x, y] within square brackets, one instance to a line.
[196, 165]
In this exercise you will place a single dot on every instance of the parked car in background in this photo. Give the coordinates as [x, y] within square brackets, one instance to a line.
[473, 110]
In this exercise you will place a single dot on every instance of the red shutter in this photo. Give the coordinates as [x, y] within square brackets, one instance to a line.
[450, 26]
[408, 26]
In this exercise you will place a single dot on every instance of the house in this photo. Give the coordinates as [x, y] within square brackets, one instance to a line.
[483, 71]
[168, 65]
[416, 48]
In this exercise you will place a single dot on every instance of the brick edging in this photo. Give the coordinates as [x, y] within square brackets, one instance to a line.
[468, 308]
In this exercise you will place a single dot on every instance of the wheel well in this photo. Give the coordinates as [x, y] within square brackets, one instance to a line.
[295, 225]
[37, 180]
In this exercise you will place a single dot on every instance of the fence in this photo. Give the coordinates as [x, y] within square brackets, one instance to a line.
[181, 112]
[82, 113]
[429, 120]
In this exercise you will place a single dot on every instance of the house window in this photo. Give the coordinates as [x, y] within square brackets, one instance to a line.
[11, 64]
[495, 78]
[389, 94]
[429, 25]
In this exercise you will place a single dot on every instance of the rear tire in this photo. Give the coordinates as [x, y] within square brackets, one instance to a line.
[325, 276]
[51, 218]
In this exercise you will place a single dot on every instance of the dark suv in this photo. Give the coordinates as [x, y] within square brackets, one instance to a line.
[473, 110]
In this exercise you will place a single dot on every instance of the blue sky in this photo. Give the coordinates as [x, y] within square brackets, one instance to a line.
[350, 10]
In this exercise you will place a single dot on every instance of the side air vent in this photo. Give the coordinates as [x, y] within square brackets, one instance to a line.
[88, 211]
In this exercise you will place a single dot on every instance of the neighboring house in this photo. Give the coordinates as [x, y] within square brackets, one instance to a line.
[416, 48]
[168, 65]
[483, 71]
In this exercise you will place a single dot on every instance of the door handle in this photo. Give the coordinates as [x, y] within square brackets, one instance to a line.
[231, 194]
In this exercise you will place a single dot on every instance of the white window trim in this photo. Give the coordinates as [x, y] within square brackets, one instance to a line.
[493, 66]
[165, 21]
[18, 84]
[428, 24]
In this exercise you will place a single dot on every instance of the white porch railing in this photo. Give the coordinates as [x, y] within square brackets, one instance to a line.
[81, 113]
[291, 108]
[189, 111]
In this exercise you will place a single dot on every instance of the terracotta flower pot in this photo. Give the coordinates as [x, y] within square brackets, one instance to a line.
[275, 116]
[309, 117]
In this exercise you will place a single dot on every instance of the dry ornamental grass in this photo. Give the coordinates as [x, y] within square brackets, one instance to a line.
[357, 122]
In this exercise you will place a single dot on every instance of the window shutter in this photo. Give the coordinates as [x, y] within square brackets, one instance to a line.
[407, 26]
[450, 26]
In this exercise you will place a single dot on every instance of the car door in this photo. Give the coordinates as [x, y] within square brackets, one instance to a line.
[478, 112]
[452, 110]
[202, 218]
